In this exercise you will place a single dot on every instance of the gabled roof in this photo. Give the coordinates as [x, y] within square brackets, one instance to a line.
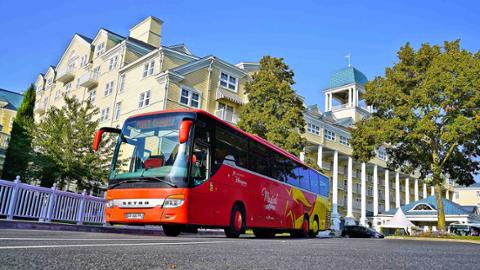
[451, 208]
[14, 99]
[204, 62]
[346, 76]
[181, 48]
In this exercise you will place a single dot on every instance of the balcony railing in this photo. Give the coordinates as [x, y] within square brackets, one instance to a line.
[89, 80]
[227, 115]
[340, 106]
[66, 74]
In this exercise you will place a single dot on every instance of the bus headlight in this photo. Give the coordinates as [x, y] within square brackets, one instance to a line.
[110, 203]
[174, 201]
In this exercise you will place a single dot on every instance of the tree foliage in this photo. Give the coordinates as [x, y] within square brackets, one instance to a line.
[63, 147]
[19, 148]
[427, 111]
[274, 111]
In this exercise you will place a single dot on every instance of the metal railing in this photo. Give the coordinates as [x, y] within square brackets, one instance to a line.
[49, 204]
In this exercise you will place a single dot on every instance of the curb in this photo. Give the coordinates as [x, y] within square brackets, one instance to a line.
[31, 225]
[433, 239]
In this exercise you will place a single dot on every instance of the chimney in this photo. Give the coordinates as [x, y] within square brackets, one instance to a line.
[148, 31]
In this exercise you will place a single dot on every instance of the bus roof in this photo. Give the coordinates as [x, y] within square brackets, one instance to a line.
[251, 136]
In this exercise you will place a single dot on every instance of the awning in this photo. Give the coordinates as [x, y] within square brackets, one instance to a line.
[228, 95]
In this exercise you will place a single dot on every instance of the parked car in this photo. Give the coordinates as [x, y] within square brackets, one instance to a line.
[356, 231]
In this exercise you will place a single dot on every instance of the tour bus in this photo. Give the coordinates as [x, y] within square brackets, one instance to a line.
[189, 169]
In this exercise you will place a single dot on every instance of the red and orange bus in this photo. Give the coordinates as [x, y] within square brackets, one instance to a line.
[190, 169]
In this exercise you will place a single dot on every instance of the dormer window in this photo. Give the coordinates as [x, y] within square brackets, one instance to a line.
[113, 62]
[228, 81]
[100, 49]
[422, 207]
[148, 68]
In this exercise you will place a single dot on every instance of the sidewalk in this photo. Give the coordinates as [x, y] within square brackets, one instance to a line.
[123, 229]
[434, 239]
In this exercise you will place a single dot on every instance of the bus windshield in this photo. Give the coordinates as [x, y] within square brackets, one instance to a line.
[148, 150]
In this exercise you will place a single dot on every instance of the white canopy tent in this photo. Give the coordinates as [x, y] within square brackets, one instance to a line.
[399, 220]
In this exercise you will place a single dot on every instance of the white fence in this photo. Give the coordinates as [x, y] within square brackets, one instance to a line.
[49, 204]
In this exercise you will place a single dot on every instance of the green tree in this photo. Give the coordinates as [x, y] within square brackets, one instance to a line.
[427, 113]
[63, 147]
[274, 111]
[19, 148]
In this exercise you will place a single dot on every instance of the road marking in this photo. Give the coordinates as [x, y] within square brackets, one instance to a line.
[79, 239]
[114, 245]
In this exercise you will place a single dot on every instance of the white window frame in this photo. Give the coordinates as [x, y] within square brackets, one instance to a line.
[121, 83]
[112, 64]
[382, 154]
[330, 135]
[68, 88]
[344, 140]
[92, 95]
[83, 60]
[148, 68]
[190, 91]
[227, 81]
[104, 114]
[99, 49]
[144, 99]
[108, 89]
[57, 95]
[117, 110]
[313, 129]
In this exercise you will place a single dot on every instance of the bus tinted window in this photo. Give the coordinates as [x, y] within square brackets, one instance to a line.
[324, 185]
[303, 176]
[290, 171]
[314, 182]
[258, 158]
[277, 164]
[231, 146]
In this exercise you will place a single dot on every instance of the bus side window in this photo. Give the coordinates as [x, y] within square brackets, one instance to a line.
[291, 175]
[304, 177]
[258, 158]
[314, 185]
[230, 144]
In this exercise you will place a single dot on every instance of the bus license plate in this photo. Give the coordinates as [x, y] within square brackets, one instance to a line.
[134, 215]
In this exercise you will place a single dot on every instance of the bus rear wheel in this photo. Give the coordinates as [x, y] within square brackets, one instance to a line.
[304, 231]
[263, 233]
[315, 228]
[172, 230]
[237, 222]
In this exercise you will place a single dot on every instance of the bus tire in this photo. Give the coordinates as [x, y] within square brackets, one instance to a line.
[172, 230]
[264, 233]
[237, 222]
[304, 231]
[315, 228]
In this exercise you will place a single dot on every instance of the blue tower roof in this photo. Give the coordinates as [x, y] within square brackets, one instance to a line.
[346, 76]
[14, 99]
[450, 207]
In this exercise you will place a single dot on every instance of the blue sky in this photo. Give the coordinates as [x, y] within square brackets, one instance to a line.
[312, 36]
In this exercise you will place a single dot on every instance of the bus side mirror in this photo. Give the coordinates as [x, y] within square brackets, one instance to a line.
[184, 130]
[98, 135]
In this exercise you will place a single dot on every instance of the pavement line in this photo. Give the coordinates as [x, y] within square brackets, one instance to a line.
[113, 245]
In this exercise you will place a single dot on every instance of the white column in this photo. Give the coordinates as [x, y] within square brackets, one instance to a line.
[363, 216]
[447, 194]
[320, 157]
[425, 190]
[375, 191]
[326, 102]
[349, 97]
[407, 190]
[302, 156]
[416, 189]
[330, 102]
[397, 189]
[387, 191]
[335, 216]
[432, 191]
[349, 188]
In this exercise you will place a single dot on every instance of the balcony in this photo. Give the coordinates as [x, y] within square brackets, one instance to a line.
[227, 115]
[89, 80]
[65, 75]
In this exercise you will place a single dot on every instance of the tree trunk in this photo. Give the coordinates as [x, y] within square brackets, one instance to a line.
[440, 208]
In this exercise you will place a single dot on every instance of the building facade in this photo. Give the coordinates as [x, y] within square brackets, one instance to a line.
[128, 75]
[467, 196]
[9, 104]
[360, 191]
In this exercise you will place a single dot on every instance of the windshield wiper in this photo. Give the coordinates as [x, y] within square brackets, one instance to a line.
[124, 181]
[160, 180]
[143, 179]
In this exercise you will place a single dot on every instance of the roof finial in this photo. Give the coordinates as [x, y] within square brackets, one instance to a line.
[349, 56]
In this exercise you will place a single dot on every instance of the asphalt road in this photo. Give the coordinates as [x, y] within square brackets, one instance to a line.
[34, 249]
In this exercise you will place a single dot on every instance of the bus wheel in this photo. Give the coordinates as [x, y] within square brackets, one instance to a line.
[303, 232]
[263, 233]
[315, 228]
[171, 230]
[237, 222]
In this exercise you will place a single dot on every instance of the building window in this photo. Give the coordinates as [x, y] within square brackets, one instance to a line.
[148, 68]
[96, 71]
[228, 81]
[83, 60]
[117, 110]
[45, 103]
[49, 82]
[144, 99]
[382, 154]
[457, 195]
[311, 128]
[121, 83]
[57, 95]
[190, 98]
[68, 88]
[329, 135]
[99, 49]
[104, 114]
[108, 88]
[92, 95]
[478, 193]
[113, 62]
[422, 207]
[344, 140]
